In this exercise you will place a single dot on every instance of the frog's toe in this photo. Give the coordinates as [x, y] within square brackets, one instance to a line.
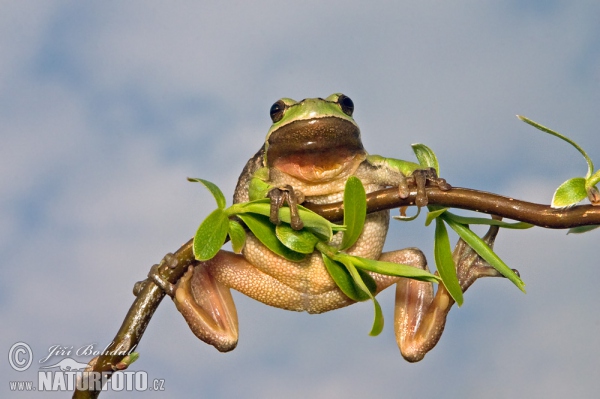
[157, 279]
[280, 196]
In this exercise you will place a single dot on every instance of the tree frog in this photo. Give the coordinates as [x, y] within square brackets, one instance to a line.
[311, 149]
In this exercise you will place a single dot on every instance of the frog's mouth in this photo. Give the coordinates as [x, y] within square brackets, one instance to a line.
[316, 150]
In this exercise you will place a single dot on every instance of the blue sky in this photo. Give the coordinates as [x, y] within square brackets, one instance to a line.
[106, 108]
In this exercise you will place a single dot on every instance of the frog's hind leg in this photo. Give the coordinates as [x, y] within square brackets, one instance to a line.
[420, 316]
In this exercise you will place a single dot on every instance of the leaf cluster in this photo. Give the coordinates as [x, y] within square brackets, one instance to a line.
[349, 272]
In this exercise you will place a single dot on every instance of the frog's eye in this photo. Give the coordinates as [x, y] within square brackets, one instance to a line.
[346, 104]
[277, 111]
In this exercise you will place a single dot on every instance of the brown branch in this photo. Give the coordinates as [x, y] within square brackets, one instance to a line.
[138, 317]
[479, 201]
[147, 301]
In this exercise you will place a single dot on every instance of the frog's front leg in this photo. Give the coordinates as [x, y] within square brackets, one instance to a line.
[420, 316]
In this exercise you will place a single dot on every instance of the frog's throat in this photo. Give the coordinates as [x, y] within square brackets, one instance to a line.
[316, 150]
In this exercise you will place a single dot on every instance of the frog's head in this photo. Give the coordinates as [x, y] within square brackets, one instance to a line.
[315, 140]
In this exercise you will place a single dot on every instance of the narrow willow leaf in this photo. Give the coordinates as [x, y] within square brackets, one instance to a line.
[488, 222]
[426, 156]
[582, 229]
[302, 241]
[444, 262]
[483, 250]
[214, 190]
[261, 206]
[378, 317]
[368, 280]
[432, 214]
[237, 235]
[314, 222]
[565, 138]
[394, 269]
[322, 227]
[211, 235]
[341, 276]
[355, 211]
[569, 193]
[264, 230]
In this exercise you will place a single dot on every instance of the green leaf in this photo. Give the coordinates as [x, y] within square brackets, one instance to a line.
[264, 230]
[394, 269]
[483, 250]
[565, 138]
[368, 280]
[211, 235]
[378, 318]
[426, 157]
[302, 241]
[237, 235]
[432, 214]
[488, 222]
[345, 282]
[569, 193]
[322, 227]
[214, 190]
[444, 262]
[582, 229]
[355, 211]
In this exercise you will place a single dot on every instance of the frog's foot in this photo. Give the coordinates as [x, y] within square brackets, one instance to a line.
[279, 196]
[153, 275]
[423, 177]
[207, 306]
[420, 316]
[469, 265]
[156, 278]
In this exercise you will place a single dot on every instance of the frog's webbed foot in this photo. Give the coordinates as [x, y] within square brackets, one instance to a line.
[420, 316]
[422, 178]
[279, 196]
[207, 306]
[153, 275]
[469, 265]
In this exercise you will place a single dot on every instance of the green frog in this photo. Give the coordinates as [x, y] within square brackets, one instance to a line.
[311, 149]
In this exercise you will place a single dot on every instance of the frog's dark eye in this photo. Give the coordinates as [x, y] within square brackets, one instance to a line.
[346, 104]
[277, 111]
